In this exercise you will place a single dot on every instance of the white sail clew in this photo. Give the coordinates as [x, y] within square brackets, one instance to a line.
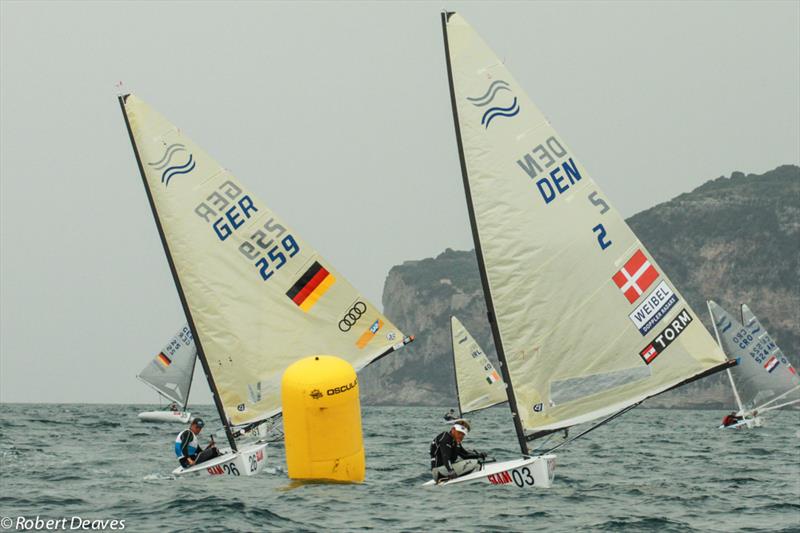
[478, 383]
[170, 372]
[586, 321]
[763, 377]
[257, 296]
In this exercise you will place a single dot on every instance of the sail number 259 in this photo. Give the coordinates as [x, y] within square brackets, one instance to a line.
[269, 247]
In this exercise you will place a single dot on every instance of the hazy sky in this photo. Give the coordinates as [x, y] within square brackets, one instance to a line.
[338, 116]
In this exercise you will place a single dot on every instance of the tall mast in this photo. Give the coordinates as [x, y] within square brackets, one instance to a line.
[498, 342]
[728, 370]
[200, 353]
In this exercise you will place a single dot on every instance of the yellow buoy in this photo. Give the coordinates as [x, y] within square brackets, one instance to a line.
[322, 420]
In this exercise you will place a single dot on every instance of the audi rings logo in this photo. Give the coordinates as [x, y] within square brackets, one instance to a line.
[351, 317]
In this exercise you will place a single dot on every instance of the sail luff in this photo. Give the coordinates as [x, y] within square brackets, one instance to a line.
[498, 341]
[728, 371]
[189, 389]
[200, 353]
[455, 369]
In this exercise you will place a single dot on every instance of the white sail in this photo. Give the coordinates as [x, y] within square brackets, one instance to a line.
[478, 383]
[765, 348]
[170, 372]
[256, 294]
[586, 320]
[763, 373]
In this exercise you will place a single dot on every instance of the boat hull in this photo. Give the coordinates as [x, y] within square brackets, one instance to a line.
[166, 416]
[748, 423]
[518, 473]
[247, 461]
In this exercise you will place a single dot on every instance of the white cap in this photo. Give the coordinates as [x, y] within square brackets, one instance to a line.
[460, 429]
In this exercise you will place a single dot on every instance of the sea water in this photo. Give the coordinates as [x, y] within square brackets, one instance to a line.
[660, 470]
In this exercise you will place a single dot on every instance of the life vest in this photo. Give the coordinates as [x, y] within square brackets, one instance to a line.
[192, 447]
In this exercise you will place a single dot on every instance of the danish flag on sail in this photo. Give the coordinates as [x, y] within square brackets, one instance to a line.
[635, 276]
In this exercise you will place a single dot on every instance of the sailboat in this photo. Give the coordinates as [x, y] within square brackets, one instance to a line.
[256, 296]
[764, 380]
[585, 322]
[478, 384]
[170, 374]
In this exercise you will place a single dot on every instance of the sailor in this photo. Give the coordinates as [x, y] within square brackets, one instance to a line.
[448, 458]
[731, 419]
[450, 415]
[188, 449]
[173, 407]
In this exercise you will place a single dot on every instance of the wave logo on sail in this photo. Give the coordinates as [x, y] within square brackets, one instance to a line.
[724, 324]
[174, 163]
[488, 99]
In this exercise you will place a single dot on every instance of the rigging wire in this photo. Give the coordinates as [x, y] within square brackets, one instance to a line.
[609, 419]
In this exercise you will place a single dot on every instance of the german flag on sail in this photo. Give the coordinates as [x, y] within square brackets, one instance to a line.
[163, 359]
[311, 286]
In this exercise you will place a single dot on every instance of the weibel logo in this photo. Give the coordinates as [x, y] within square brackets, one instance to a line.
[666, 336]
[316, 394]
[488, 99]
[653, 308]
[180, 165]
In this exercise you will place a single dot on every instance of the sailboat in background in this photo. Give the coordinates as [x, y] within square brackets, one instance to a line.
[170, 375]
[256, 296]
[478, 384]
[585, 322]
[763, 380]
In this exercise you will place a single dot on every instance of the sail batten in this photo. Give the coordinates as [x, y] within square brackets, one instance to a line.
[577, 300]
[256, 295]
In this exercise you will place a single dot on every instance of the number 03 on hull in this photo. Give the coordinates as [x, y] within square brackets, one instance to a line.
[520, 473]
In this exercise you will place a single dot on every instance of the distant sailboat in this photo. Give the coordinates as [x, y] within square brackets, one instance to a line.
[478, 383]
[256, 296]
[585, 323]
[170, 375]
[764, 380]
